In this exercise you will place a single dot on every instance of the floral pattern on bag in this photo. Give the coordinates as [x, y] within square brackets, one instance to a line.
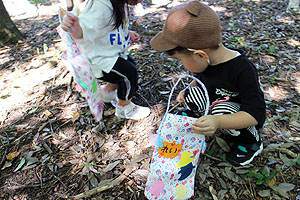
[172, 173]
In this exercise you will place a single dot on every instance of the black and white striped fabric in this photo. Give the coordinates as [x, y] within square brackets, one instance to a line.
[194, 99]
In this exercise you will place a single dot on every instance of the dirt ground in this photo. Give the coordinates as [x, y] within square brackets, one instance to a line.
[52, 148]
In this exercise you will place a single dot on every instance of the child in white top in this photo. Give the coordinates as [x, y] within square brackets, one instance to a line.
[101, 30]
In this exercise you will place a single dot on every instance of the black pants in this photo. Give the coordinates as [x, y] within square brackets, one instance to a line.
[194, 99]
[124, 74]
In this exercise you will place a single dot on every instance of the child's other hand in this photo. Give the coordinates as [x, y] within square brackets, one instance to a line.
[206, 125]
[71, 22]
[180, 97]
[134, 36]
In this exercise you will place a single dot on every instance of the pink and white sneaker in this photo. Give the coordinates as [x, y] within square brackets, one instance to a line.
[132, 111]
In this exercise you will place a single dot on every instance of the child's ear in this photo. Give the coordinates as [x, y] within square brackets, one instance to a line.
[202, 55]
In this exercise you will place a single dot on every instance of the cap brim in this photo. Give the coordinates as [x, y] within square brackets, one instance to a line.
[159, 43]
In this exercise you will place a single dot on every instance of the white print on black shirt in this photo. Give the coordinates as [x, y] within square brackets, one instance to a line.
[223, 92]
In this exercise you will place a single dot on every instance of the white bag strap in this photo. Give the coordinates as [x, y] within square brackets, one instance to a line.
[202, 85]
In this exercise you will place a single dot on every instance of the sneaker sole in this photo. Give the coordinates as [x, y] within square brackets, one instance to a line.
[132, 118]
[251, 159]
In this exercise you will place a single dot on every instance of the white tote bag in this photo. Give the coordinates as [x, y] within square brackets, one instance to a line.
[175, 157]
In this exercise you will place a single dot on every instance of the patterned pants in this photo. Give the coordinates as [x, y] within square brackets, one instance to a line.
[195, 100]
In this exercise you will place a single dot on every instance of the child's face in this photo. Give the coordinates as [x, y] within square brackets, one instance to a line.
[191, 62]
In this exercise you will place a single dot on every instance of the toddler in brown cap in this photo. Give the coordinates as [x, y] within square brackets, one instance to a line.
[192, 34]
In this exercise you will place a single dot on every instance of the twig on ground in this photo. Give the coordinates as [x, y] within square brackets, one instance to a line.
[174, 107]
[16, 140]
[260, 39]
[130, 168]
[283, 150]
[151, 32]
[144, 99]
[69, 89]
[250, 190]
[214, 158]
[5, 153]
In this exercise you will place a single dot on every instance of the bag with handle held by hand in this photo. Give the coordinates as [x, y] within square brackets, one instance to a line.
[79, 64]
[176, 154]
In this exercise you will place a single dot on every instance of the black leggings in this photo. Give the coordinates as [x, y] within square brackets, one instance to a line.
[194, 99]
[124, 74]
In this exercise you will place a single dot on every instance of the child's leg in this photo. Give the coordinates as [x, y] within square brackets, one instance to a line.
[247, 142]
[108, 92]
[124, 74]
[111, 87]
[194, 101]
[246, 135]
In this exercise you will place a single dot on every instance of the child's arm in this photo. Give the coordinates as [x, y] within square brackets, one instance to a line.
[208, 124]
[71, 23]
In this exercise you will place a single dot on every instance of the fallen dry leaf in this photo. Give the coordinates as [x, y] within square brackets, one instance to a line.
[48, 113]
[12, 155]
[75, 116]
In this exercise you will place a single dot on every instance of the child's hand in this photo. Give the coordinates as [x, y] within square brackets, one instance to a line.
[134, 36]
[206, 125]
[71, 23]
[180, 97]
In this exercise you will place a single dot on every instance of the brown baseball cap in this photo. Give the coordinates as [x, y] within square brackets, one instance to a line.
[191, 25]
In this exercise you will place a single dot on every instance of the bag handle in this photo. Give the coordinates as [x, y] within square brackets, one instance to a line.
[202, 85]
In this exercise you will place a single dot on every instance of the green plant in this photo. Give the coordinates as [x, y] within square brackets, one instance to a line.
[37, 1]
[132, 51]
[88, 113]
[231, 26]
[261, 47]
[296, 161]
[261, 177]
[258, 49]
[223, 157]
[237, 41]
[271, 49]
[211, 152]
[272, 120]
[269, 122]
[295, 114]
[272, 78]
